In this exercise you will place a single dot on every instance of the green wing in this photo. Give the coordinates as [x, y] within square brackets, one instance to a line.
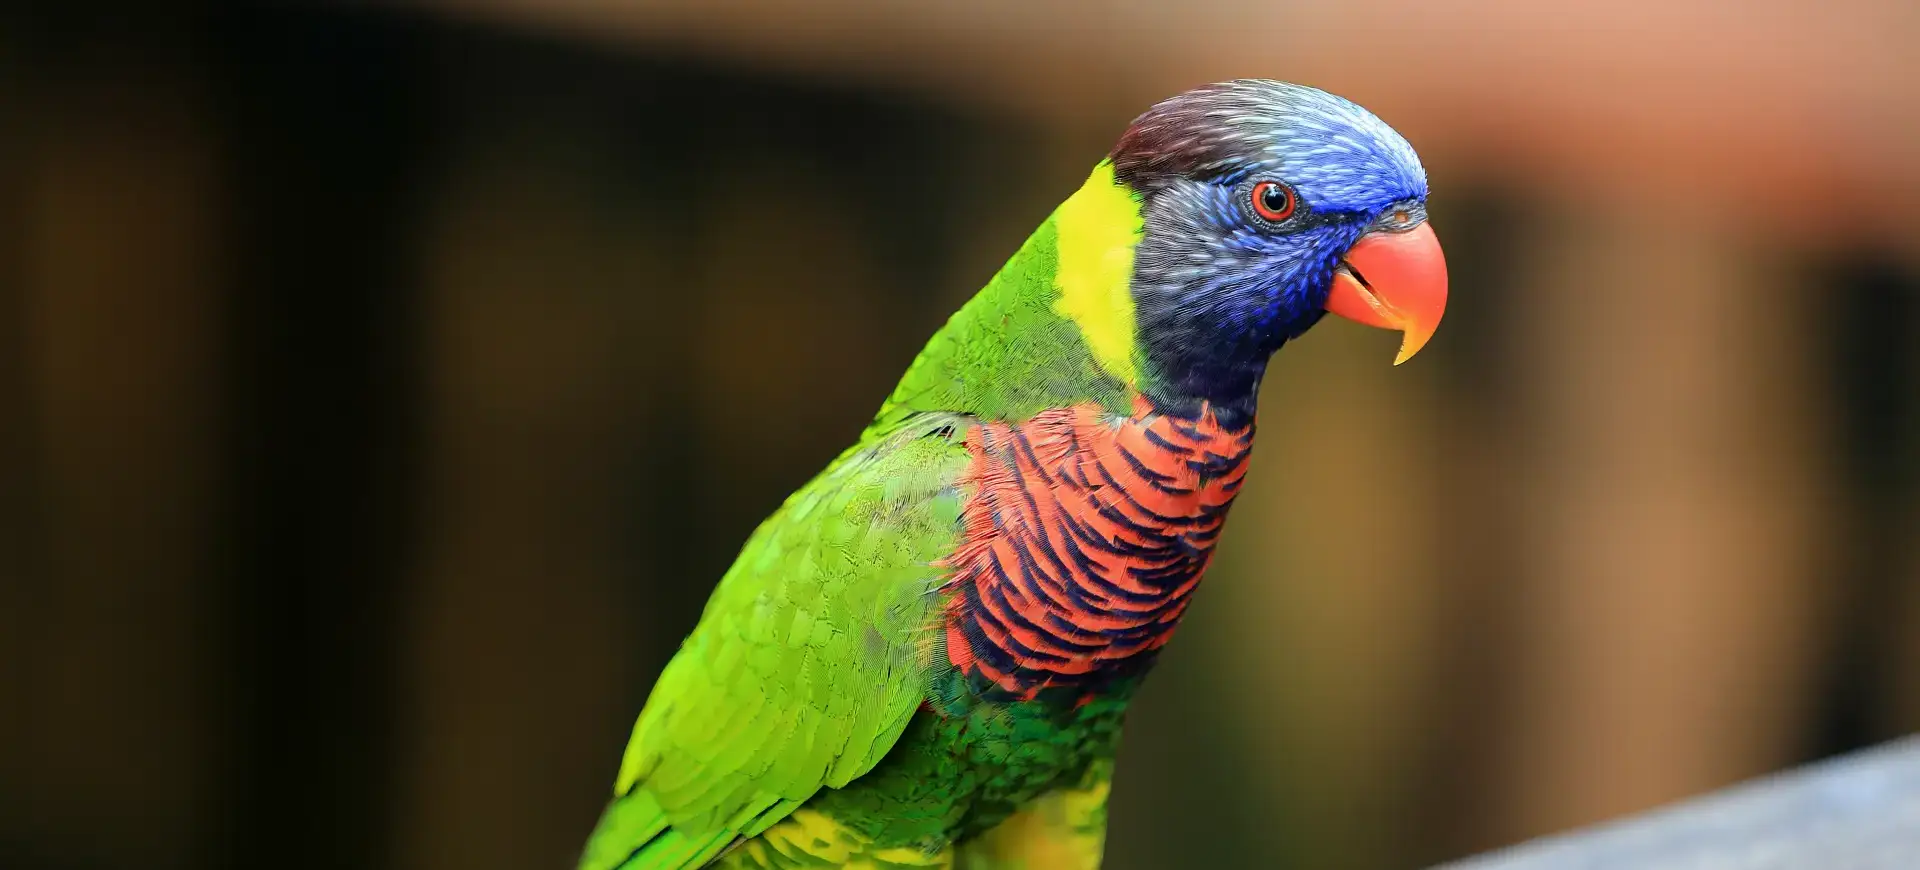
[811, 657]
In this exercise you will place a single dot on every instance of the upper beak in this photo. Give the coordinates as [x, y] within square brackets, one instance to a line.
[1394, 280]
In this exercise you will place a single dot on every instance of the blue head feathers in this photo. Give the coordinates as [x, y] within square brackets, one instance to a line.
[1252, 192]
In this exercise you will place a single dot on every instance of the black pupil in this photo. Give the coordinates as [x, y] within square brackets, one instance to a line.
[1274, 198]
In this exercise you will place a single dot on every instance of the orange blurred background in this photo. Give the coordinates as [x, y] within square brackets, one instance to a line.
[383, 387]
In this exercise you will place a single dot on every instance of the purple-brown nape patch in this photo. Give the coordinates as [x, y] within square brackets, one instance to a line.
[1199, 133]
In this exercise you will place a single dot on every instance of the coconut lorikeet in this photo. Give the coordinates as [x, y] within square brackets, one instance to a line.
[922, 659]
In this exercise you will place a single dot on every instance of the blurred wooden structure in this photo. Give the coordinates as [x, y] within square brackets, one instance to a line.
[381, 391]
[1782, 113]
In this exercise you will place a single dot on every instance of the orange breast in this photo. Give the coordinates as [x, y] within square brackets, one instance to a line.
[1085, 536]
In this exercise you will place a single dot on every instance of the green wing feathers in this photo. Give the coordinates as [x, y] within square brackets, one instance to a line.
[635, 832]
[807, 664]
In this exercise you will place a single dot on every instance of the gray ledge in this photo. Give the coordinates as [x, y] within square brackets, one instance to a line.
[1855, 812]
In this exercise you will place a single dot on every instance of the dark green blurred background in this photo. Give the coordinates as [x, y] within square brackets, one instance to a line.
[383, 388]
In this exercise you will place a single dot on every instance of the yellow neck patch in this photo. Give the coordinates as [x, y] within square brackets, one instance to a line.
[1098, 228]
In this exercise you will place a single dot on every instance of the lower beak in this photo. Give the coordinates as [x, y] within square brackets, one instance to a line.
[1394, 280]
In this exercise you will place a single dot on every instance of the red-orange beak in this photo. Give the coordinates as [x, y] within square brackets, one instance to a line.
[1394, 280]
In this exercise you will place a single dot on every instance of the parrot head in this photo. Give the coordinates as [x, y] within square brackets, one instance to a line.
[1263, 206]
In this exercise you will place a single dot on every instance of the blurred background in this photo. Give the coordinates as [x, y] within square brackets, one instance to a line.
[383, 387]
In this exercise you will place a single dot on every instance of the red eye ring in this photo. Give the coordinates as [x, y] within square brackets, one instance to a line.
[1273, 201]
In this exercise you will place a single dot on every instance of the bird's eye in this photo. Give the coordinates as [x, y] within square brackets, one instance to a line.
[1273, 201]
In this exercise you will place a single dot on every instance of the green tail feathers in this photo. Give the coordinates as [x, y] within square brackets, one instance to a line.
[633, 834]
